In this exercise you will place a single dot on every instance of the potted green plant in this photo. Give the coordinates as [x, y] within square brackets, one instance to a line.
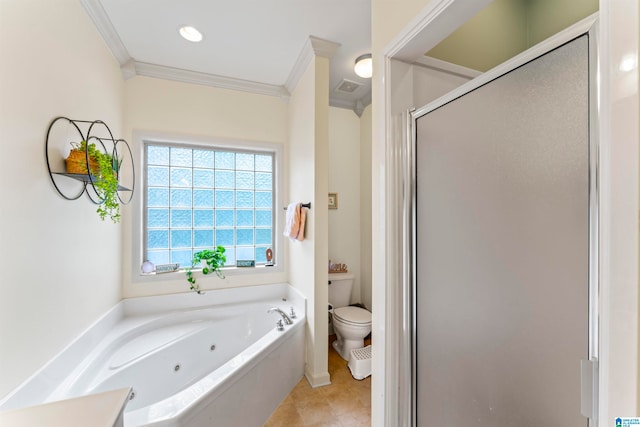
[211, 260]
[103, 169]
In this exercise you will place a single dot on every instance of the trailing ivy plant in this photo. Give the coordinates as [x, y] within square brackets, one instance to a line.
[214, 260]
[107, 188]
[105, 181]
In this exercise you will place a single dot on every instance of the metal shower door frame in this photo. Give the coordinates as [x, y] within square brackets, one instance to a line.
[588, 26]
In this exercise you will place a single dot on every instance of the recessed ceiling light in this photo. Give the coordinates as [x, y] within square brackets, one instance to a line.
[190, 33]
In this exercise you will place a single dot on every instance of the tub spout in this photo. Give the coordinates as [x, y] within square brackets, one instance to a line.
[287, 319]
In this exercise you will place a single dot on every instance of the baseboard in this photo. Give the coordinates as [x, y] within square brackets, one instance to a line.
[317, 380]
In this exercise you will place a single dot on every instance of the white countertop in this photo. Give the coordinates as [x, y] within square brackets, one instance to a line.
[95, 410]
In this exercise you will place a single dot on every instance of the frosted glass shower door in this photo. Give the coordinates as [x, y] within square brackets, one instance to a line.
[502, 249]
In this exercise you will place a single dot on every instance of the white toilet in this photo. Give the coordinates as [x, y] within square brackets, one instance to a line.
[351, 324]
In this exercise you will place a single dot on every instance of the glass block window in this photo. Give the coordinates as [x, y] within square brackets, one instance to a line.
[197, 198]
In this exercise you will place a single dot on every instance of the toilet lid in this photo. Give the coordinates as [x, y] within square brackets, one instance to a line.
[354, 315]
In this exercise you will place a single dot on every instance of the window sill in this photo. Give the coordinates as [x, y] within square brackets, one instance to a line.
[227, 271]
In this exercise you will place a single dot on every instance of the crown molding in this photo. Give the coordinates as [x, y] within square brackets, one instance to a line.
[362, 103]
[366, 100]
[357, 106]
[342, 103]
[129, 67]
[133, 68]
[186, 76]
[314, 46]
[106, 29]
[322, 48]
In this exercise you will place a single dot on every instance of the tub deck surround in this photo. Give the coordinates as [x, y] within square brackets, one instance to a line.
[96, 410]
[189, 358]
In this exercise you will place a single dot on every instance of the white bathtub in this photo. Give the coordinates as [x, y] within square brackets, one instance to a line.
[192, 360]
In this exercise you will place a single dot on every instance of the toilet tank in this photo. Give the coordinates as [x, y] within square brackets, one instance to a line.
[340, 285]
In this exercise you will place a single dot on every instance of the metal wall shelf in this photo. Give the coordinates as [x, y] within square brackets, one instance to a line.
[86, 178]
[63, 131]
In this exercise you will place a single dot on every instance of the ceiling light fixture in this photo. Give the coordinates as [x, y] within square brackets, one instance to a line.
[364, 66]
[190, 33]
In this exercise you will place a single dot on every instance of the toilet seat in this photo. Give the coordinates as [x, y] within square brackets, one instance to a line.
[354, 316]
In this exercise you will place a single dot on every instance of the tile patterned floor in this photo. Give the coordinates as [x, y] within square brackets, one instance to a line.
[344, 403]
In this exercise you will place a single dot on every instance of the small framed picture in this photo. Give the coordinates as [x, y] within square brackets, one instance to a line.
[333, 200]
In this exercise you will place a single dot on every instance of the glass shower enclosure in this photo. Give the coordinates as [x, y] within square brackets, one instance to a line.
[505, 245]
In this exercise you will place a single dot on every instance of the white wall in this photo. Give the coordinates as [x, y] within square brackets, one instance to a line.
[62, 263]
[170, 106]
[365, 207]
[388, 18]
[302, 166]
[344, 179]
[350, 177]
[619, 141]
[200, 113]
[308, 171]
[321, 220]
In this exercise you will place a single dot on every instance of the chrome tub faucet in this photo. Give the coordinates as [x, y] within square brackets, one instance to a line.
[285, 317]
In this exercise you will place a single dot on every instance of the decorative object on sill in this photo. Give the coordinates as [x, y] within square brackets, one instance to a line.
[295, 220]
[337, 268]
[167, 268]
[147, 267]
[212, 260]
[96, 161]
[269, 256]
[241, 263]
[333, 200]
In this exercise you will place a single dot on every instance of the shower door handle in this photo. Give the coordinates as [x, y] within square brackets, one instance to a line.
[589, 388]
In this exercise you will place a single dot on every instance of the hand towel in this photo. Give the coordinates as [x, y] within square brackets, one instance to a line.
[295, 221]
[303, 217]
[292, 218]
